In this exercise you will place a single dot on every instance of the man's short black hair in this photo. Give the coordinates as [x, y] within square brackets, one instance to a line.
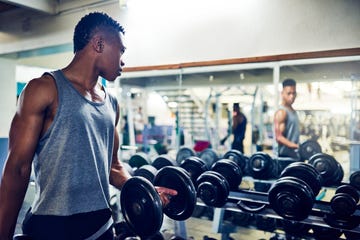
[89, 24]
[288, 82]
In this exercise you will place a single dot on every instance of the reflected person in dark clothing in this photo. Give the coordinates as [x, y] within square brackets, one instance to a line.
[238, 128]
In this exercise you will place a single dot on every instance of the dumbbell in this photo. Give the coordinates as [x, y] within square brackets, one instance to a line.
[355, 179]
[292, 196]
[308, 148]
[209, 156]
[330, 170]
[141, 205]
[239, 158]
[149, 171]
[343, 205]
[262, 166]
[345, 200]
[195, 166]
[214, 185]
[183, 153]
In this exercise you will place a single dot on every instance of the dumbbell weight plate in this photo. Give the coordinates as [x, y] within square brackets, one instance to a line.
[230, 170]
[141, 206]
[345, 200]
[305, 172]
[291, 198]
[329, 169]
[195, 166]
[183, 153]
[261, 165]
[209, 156]
[146, 171]
[163, 160]
[182, 205]
[355, 179]
[238, 157]
[213, 189]
[138, 159]
[308, 149]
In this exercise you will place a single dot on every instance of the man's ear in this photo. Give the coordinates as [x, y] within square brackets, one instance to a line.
[98, 44]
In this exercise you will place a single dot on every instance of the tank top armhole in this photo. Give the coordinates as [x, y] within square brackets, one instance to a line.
[55, 79]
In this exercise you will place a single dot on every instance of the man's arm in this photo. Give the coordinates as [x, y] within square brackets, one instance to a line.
[118, 173]
[280, 125]
[25, 130]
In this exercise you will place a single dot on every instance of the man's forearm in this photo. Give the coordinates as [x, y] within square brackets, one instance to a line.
[12, 192]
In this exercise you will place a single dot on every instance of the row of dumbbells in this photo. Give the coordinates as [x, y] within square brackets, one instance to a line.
[292, 195]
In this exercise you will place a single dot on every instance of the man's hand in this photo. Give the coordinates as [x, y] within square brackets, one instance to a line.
[165, 194]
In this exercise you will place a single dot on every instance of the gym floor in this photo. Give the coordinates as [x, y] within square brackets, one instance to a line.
[198, 228]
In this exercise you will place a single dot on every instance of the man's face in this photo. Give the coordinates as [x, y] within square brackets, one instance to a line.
[113, 57]
[289, 94]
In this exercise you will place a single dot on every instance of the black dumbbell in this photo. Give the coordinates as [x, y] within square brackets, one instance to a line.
[355, 179]
[309, 148]
[214, 185]
[209, 156]
[345, 201]
[147, 171]
[239, 158]
[262, 166]
[163, 160]
[292, 196]
[139, 159]
[195, 166]
[141, 205]
[330, 170]
[183, 153]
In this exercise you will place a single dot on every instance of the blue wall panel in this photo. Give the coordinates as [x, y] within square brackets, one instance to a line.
[3, 152]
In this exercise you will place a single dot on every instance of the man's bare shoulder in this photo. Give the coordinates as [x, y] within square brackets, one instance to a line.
[42, 88]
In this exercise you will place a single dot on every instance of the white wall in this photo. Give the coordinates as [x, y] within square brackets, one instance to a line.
[166, 32]
[8, 95]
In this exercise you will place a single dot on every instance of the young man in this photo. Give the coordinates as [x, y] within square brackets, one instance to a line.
[286, 122]
[65, 125]
[238, 128]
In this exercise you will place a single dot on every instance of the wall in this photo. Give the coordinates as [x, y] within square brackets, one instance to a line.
[165, 32]
[7, 104]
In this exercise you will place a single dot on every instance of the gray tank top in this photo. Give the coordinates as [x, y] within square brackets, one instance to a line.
[73, 159]
[292, 132]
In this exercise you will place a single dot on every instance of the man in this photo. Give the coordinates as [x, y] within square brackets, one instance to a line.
[286, 122]
[238, 128]
[65, 125]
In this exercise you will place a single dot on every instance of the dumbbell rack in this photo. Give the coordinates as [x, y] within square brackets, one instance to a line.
[319, 209]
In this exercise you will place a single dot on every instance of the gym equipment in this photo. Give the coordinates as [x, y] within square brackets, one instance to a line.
[21, 237]
[195, 166]
[183, 153]
[292, 196]
[262, 166]
[355, 179]
[141, 204]
[308, 149]
[345, 200]
[139, 159]
[209, 156]
[330, 170]
[239, 158]
[163, 160]
[214, 185]
[147, 171]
